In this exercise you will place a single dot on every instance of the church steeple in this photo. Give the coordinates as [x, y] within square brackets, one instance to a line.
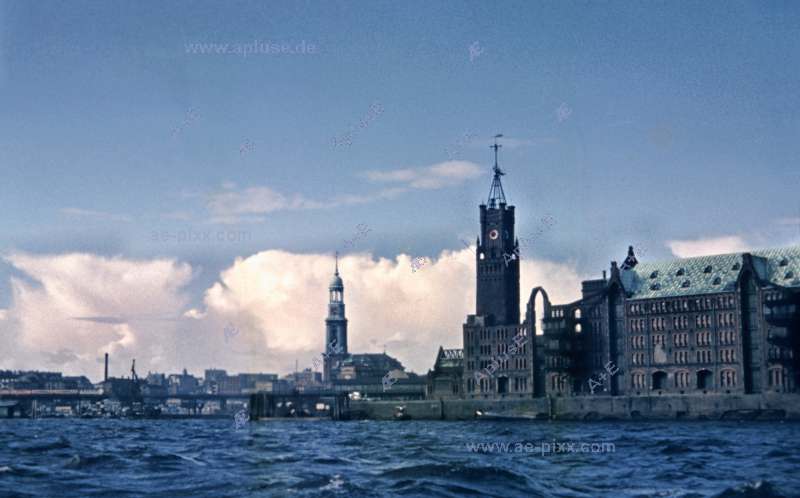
[335, 324]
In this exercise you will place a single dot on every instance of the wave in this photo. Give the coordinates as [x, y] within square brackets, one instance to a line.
[758, 489]
[42, 446]
[456, 472]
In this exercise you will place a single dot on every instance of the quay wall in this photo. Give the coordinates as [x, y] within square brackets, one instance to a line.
[665, 407]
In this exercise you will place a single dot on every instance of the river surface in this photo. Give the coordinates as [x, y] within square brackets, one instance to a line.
[211, 458]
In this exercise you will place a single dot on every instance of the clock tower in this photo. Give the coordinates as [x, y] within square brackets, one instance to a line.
[497, 257]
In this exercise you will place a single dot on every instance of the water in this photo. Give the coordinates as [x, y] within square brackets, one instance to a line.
[210, 458]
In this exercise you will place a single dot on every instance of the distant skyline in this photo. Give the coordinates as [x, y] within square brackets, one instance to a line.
[153, 193]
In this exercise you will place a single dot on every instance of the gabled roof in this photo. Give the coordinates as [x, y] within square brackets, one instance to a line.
[710, 274]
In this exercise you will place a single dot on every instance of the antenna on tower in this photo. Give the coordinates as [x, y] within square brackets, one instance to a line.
[495, 147]
[337, 263]
[496, 193]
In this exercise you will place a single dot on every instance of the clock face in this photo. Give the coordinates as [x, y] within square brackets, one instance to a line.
[493, 234]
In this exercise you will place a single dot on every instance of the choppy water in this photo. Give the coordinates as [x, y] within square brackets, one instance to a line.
[209, 458]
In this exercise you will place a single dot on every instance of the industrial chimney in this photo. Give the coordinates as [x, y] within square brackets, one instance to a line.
[105, 376]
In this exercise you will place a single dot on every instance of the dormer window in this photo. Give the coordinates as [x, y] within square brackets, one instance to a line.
[685, 284]
[717, 280]
[784, 262]
[680, 272]
[654, 274]
[736, 267]
[707, 269]
[789, 274]
[656, 286]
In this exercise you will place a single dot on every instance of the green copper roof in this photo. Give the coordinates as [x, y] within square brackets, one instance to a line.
[710, 274]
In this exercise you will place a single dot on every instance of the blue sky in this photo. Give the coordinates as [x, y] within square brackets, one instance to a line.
[678, 122]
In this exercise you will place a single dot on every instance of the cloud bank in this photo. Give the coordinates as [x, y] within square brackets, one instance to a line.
[70, 309]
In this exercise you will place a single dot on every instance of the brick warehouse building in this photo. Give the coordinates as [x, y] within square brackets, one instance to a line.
[715, 324]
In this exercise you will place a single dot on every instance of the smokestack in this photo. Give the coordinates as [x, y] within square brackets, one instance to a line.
[105, 376]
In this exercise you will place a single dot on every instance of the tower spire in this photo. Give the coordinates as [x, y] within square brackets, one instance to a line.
[496, 193]
[337, 264]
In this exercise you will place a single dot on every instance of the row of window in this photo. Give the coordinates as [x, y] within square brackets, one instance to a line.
[678, 305]
[773, 296]
[704, 356]
[658, 324]
[556, 361]
[726, 319]
[680, 340]
[726, 337]
[727, 378]
[486, 384]
[559, 383]
[779, 378]
[496, 334]
[778, 353]
[680, 357]
[683, 379]
[702, 321]
[486, 268]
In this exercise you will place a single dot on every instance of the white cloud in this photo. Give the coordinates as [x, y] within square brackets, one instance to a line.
[445, 174]
[284, 296]
[80, 306]
[709, 246]
[232, 204]
[249, 205]
[78, 303]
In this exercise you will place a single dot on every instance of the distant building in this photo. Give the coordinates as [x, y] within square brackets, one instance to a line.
[42, 380]
[183, 383]
[248, 381]
[307, 380]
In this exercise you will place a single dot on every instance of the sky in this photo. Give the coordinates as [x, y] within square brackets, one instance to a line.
[171, 171]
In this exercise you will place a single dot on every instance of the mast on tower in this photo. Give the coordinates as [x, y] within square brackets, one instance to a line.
[496, 194]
